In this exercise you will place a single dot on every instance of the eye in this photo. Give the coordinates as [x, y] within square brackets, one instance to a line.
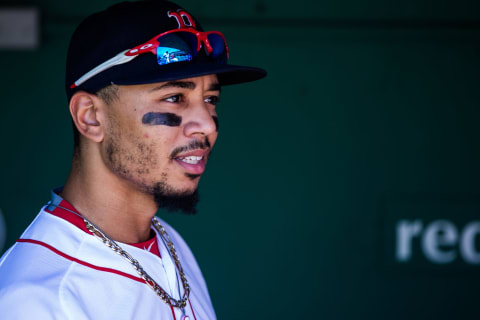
[175, 98]
[214, 100]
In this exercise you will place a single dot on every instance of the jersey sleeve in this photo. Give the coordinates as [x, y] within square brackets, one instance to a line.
[29, 301]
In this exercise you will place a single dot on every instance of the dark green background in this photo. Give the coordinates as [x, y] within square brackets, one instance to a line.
[364, 101]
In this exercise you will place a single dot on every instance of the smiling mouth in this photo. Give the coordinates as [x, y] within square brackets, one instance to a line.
[190, 159]
[193, 162]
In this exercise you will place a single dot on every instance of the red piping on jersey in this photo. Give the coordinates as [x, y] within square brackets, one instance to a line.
[83, 263]
[173, 312]
[190, 303]
[86, 264]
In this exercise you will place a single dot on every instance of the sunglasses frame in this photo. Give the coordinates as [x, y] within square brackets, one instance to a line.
[150, 46]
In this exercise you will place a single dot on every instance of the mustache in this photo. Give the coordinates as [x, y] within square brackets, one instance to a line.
[193, 145]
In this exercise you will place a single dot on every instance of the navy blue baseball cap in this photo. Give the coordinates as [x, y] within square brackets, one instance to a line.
[114, 46]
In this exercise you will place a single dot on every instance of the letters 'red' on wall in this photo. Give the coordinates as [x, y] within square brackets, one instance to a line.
[438, 232]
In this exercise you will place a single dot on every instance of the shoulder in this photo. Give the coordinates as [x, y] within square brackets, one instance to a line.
[32, 261]
[30, 280]
[29, 300]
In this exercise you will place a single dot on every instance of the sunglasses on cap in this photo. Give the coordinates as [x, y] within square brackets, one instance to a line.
[173, 46]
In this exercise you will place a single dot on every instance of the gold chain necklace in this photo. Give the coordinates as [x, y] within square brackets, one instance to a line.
[168, 299]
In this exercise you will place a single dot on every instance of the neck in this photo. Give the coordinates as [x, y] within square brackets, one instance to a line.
[120, 210]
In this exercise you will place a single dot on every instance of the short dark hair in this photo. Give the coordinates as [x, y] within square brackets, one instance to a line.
[108, 94]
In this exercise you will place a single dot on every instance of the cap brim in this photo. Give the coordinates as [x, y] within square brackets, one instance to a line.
[227, 74]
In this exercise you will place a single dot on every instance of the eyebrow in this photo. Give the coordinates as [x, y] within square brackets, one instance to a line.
[184, 85]
[176, 84]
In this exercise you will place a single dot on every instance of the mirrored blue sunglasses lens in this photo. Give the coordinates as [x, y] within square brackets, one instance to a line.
[182, 46]
[174, 48]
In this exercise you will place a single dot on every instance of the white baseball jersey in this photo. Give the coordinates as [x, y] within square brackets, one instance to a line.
[59, 270]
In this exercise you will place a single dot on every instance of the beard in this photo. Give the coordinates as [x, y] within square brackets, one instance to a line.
[164, 195]
[132, 160]
[167, 198]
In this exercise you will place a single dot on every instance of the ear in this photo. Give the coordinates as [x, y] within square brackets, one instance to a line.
[87, 114]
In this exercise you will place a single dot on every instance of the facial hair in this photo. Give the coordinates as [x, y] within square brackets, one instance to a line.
[172, 200]
[136, 159]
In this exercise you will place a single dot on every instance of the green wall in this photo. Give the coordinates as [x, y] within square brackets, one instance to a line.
[367, 122]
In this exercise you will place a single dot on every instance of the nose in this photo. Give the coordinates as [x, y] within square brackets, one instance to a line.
[199, 121]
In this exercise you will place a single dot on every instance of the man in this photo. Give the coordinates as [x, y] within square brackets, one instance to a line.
[144, 127]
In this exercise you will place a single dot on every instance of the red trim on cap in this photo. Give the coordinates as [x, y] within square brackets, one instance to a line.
[83, 263]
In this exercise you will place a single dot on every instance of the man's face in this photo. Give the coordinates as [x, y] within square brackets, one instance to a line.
[158, 136]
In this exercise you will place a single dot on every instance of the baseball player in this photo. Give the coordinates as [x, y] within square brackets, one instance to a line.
[144, 125]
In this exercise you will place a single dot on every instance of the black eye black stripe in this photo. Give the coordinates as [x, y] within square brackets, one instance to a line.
[163, 119]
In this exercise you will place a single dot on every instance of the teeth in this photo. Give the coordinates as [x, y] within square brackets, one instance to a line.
[191, 159]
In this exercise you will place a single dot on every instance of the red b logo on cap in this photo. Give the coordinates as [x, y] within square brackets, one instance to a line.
[184, 19]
